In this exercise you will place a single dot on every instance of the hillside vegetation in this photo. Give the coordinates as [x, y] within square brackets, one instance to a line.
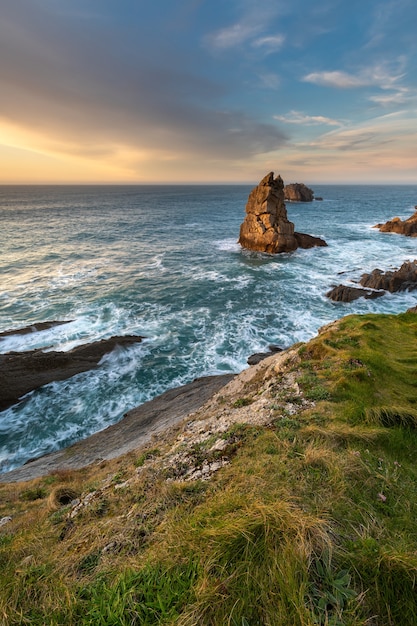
[290, 499]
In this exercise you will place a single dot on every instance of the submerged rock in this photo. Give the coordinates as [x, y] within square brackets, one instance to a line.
[298, 192]
[266, 227]
[22, 372]
[407, 227]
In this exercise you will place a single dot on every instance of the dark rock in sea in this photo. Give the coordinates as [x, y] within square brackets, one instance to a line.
[402, 279]
[256, 358]
[266, 227]
[377, 283]
[21, 372]
[34, 328]
[318, 198]
[345, 293]
[407, 227]
[298, 192]
[308, 241]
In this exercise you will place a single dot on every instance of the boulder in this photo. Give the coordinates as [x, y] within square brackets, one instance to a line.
[256, 358]
[407, 227]
[298, 192]
[266, 227]
[21, 372]
[346, 293]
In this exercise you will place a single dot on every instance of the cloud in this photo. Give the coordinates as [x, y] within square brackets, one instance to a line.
[296, 117]
[232, 36]
[74, 89]
[338, 79]
[382, 75]
[270, 43]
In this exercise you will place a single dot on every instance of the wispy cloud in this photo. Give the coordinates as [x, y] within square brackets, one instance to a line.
[381, 75]
[297, 117]
[338, 79]
[270, 43]
[232, 36]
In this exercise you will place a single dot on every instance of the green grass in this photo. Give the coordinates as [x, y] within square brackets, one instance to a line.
[311, 523]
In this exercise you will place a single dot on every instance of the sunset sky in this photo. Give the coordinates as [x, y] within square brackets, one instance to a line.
[189, 91]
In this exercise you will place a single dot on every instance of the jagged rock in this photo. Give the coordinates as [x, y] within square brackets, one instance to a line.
[298, 192]
[345, 293]
[266, 227]
[21, 372]
[402, 279]
[407, 227]
[377, 283]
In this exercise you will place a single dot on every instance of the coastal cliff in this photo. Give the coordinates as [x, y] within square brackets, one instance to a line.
[280, 500]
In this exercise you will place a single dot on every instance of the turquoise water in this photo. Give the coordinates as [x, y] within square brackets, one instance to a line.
[163, 262]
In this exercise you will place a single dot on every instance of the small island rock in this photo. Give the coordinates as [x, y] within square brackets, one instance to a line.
[407, 227]
[298, 192]
[266, 227]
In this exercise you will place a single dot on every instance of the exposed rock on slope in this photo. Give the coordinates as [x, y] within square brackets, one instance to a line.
[266, 227]
[21, 372]
[298, 192]
[407, 227]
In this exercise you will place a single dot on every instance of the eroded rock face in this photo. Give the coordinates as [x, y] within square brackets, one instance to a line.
[377, 283]
[266, 227]
[407, 227]
[298, 192]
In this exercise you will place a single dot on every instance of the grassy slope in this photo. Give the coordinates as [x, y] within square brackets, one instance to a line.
[313, 521]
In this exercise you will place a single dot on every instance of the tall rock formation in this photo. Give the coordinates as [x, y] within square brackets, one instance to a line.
[266, 227]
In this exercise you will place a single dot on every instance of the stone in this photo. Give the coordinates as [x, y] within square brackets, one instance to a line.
[407, 227]
[38, 327]
[402, 279]
[377, 283]
[22, 372]
[298, 192]
[346, 293]
[266, 227]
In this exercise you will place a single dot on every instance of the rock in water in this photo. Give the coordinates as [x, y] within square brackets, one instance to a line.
[266, 227]
[407, 227]
[298, 192]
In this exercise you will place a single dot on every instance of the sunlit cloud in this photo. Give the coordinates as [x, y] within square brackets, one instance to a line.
[378, 75]
[296, 117]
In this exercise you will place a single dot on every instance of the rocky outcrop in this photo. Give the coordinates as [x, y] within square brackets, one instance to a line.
[298, 192]
[39, 326]
[377, 283]
[407, 227]
[266, 227]
[21, 372]
[402, 279]
[346, 293]
[256, 358]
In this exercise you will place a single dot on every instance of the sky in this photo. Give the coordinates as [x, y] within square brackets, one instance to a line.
[208, 91]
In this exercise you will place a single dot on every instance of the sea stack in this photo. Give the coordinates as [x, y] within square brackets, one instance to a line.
[266, 227]
[298, 192]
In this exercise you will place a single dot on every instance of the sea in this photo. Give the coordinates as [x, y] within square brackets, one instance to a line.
[163, 262]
